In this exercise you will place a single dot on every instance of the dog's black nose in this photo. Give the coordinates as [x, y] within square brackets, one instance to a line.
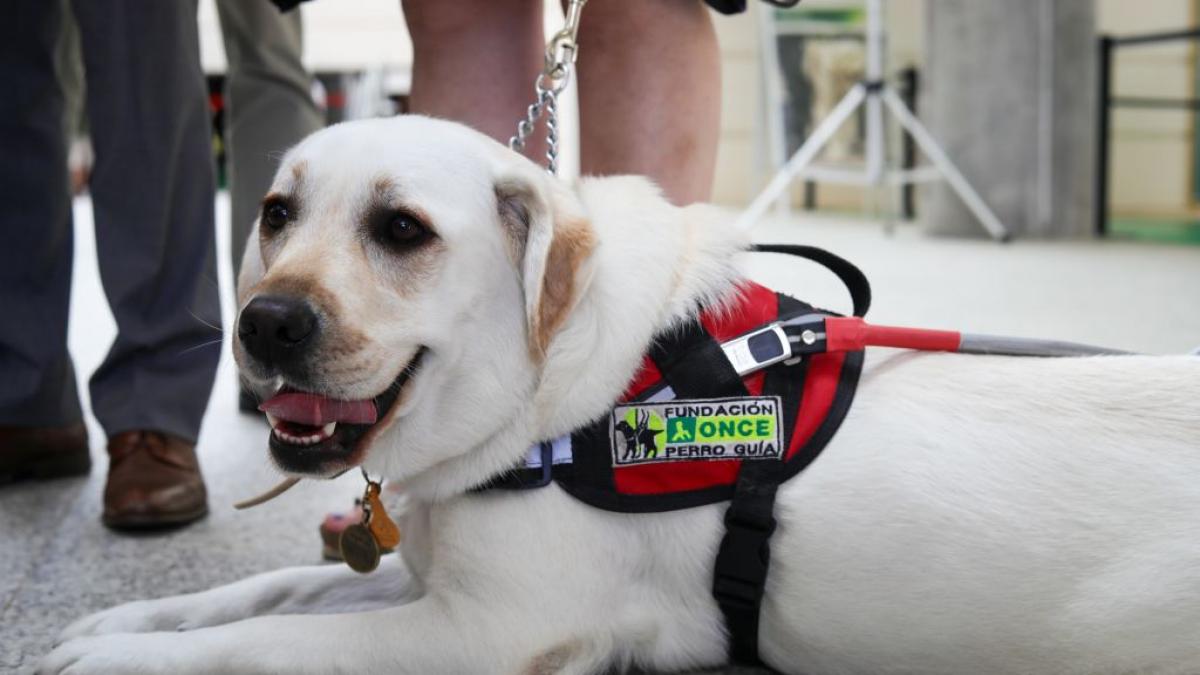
[277, 330]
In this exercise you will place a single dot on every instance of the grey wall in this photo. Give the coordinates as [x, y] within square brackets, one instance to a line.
[1009, 90]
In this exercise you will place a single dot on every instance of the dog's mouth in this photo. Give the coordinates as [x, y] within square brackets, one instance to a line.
[314, 434]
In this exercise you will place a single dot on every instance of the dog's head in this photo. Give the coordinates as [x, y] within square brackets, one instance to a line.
[404, 280]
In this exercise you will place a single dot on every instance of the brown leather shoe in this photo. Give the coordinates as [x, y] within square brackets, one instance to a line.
[43, 452]
[153, 481]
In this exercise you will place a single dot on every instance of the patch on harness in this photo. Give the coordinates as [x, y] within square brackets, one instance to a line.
[745, 427]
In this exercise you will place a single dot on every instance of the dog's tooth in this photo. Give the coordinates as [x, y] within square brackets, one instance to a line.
[303, 440]
[328, 429]
[272, 420]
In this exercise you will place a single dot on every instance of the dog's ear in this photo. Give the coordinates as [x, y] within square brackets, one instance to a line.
[551, 243]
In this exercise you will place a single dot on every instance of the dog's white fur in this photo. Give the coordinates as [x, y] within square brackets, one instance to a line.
[973, 514]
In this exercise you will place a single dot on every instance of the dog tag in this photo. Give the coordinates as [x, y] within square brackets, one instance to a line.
[387, 534]
[359, 548]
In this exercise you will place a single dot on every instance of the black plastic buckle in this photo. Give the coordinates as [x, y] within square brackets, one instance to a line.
[743, 560]
[547, 449]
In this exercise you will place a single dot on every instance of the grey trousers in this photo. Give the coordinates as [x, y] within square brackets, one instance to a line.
[269, 102]
[152, 195]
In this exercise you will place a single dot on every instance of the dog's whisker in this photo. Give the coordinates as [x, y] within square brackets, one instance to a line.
[201, 346]
[206, 323]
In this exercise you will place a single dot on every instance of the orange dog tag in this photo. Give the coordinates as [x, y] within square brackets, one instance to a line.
[384, 529]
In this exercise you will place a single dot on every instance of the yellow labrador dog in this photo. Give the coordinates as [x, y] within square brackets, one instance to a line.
[973, 515]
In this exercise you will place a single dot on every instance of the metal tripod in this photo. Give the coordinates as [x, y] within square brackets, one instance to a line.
[874, 93]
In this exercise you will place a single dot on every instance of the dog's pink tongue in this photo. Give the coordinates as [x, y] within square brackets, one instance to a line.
[315, 410]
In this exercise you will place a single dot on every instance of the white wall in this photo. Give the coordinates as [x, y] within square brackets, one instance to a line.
[340, 35]
[740, 85]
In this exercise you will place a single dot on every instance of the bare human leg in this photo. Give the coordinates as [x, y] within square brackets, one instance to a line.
[475, 62]
[650, 93]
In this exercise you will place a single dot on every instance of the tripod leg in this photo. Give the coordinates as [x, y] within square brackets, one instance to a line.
[951, 173]
[876, 158]
[803, 156]
[893, 211]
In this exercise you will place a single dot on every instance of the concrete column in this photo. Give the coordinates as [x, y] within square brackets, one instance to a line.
[1009, 90]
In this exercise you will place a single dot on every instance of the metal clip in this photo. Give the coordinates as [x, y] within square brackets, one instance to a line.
[561, 52]
[563, 48]
[571, 23]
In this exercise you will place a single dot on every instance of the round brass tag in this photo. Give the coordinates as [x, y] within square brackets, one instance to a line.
[359, 548]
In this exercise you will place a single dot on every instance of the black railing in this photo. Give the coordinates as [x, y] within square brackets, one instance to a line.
[1107, 44]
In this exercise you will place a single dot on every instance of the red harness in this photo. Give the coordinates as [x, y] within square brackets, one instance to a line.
[814, 395]
[689, 431]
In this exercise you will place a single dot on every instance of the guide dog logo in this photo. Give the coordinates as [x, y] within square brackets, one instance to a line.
[701, 429]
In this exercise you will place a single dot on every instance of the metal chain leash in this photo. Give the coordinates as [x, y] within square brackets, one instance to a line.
[547, 102]
[561, 52]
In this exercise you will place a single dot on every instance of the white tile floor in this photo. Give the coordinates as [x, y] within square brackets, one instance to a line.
[57, 562]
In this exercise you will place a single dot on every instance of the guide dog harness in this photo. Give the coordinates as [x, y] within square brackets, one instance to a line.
[724, 408]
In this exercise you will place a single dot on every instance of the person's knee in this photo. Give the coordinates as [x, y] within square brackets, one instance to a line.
[430, 20]
[437, 23]
[635, 19]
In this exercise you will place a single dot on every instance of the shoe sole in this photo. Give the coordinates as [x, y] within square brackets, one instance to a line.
[143, 522]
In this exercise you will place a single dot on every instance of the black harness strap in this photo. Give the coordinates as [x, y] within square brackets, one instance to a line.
[522, 478]
[744, 558]
[855, 281]
[694, 364]
[696, 367]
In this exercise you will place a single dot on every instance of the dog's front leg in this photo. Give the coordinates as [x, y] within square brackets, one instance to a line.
[422, 637]
[319, 589]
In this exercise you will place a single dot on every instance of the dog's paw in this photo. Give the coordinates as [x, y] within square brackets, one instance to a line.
[142, 654]
[143, 616]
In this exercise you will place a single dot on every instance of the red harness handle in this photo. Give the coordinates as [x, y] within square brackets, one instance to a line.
[850, 333]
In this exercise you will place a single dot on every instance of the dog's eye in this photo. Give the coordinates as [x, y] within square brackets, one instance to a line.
[405, 230]
[275, 215]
